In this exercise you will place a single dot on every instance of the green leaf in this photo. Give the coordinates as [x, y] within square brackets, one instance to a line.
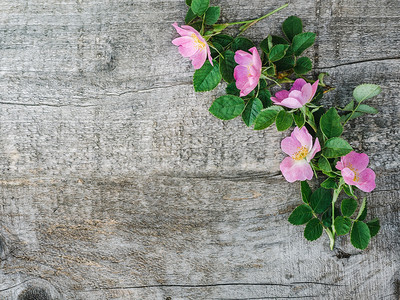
[324, 164]
[283, 120]
[336, 147]
[321, 199]
[253, 108]
[190, 16]
[222, 39]
[366, 91]
[313, 230]
[342, 225]
[212, 15]
[330, 124]
[199, 7]
[362, 213]
[227, 107]
[266, 117]
[207, 77]
[278, 40]
[266, 44]
[305, 192]
[301, 215]
[265, 96]
[349, 106]
[299, 119]
[327, 218]
[303, 66]
[284, 64]
[226, 65]
[241, 43]
[329, 183]
[364, 108]
[271, 70]
[217, 46]
[348, 190]
[277, 52]
[188, 2]
[374, 227]
[360, 235]
[348, 207]
[231, 89]
[302, 41]
[292, 26]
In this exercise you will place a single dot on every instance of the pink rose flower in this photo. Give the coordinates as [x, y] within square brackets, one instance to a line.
[353, 167]
[248, 72]
[299, 147]
[193, 45]
[300, 94]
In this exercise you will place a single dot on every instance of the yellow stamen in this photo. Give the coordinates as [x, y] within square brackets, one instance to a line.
[198, 44]
[300, 154]
[356, 178]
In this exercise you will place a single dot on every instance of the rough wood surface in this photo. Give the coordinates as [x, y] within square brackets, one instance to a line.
[116, 182]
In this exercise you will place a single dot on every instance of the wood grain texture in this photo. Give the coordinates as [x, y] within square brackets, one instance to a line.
[118, 184]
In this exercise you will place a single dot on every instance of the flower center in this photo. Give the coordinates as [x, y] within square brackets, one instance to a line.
[300, 154]
[198, 44]
[356, 178]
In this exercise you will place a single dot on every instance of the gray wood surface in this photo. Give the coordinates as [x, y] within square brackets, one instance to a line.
[116, 182]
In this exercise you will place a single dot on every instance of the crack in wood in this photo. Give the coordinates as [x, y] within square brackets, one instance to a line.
[358, 62]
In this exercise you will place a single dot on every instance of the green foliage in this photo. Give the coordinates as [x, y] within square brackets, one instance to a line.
[277, 52]
[342, 225]
[301, 215]
[320, 200]
[265, 96]
[212, 15]
[222, 39]
[292, 26]
[348, 207]
[227, 107]
[313, 230]
[241, 43]
[305, 192]
[330, 124]
[336, 147]
[302, 41]
[188, 2]
[366, 91]
[207, 77]
[253, 108]
[374, 227]
[266, 117]
[303, 66]
[329, 183]
[283, 120]
[190, 16]
[360, 235]
[285, 63]
[231, 89]
[299, 119]
[226, 65]
[199, 7]
[324, 164]
[362, 213]
[348, 190]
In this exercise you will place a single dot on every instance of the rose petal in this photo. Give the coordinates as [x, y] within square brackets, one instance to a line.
[356, 161]
[181, 31]
[290, 145]
[366, 181]
[282, 94]
[243, 58]
[348, 176]
[294, 170]
[290, 103]
[199, 58]
[298, 84]
[303, 137]
[315, 149]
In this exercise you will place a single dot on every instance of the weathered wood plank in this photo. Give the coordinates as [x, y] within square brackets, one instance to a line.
[118, 184]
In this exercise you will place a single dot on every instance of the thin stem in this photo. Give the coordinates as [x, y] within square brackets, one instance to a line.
[336, 193]
[348, 119]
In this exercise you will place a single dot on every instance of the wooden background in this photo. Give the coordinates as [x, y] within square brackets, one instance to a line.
[117, 183]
